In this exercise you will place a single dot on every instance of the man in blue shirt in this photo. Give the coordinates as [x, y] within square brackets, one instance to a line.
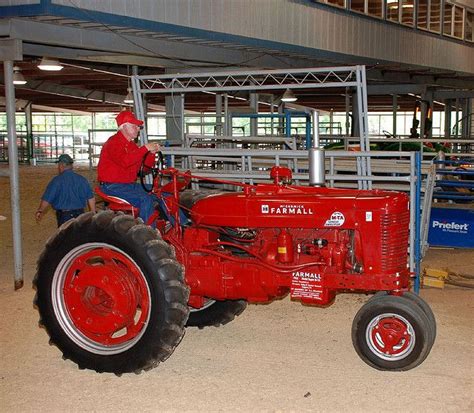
[67, 193]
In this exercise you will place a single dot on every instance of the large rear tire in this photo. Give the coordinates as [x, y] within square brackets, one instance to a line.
[216, 313]
[392, 333]
[110, 294]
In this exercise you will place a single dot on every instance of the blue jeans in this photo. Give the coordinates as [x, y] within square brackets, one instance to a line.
[136, 195]
[139, 198]
[63, 216]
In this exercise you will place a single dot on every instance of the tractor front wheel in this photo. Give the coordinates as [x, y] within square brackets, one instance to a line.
[110, 294]
[392, 333]
[422, 304]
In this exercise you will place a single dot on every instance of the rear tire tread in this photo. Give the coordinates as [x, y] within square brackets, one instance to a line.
[217, 314]
[147, 246]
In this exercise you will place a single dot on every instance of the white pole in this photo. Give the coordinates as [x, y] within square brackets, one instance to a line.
[317, 167]
[13, 163]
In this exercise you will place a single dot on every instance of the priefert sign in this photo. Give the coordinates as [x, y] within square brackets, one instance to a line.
[450, 225]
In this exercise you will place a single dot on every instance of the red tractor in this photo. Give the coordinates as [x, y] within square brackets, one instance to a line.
[115, 295]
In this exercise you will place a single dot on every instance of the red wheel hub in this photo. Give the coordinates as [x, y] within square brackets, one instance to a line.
[391, 336]
[106, 296]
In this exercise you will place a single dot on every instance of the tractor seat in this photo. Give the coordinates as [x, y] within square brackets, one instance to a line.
[114, 203]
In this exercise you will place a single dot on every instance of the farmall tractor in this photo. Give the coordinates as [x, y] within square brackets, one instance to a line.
[116, 294]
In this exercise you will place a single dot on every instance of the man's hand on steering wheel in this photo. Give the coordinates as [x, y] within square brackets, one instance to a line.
[151, 165]
[153, 147]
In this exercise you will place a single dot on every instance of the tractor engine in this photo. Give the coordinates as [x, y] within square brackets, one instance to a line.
[272, 240]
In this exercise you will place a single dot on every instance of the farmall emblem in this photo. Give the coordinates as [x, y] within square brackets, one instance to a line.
[286, 209]
[336, 220]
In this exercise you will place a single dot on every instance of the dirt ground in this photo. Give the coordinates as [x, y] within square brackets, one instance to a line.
[283, 357]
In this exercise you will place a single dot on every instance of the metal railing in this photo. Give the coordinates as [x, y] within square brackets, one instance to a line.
[254, 142]
[46, 146]
[454, 180]
[22, 147]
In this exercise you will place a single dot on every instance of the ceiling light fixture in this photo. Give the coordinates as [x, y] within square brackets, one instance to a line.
[288, 96]
[50, 65]
[18, 78]
[129, 97]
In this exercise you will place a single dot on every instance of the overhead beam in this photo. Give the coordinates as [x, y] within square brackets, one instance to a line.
[59, 110]
[453, 94]
[173, 52]
[77, 93]
[19, 103]
[98, 56]
[11, 49]
[428, 79]
[106, 46]
[395, 89]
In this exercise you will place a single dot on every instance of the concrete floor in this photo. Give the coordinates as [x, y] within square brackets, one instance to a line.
[279, 357]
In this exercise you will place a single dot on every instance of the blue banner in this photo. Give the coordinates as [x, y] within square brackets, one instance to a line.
[451, 227]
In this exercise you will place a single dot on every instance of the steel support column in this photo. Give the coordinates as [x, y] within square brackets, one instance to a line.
[29, 133]
[14, 179]
[254, 120]
[228, 121]
[457, 117]
[175, 118]
[348, 120]
[394, 115]
[355, 115]
[465, 120]
[423, 112]
[219, 129]
[447, 118]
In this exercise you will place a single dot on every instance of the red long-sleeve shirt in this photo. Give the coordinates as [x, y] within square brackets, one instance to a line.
[120, 160]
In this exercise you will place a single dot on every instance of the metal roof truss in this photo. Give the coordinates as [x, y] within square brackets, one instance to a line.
[258, 80]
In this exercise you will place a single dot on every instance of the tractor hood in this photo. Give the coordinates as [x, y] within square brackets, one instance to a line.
[296, 207]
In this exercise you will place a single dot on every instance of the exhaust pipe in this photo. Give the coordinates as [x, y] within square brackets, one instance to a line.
[317, 167]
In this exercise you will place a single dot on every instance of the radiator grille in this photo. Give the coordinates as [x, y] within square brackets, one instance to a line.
[394, 247]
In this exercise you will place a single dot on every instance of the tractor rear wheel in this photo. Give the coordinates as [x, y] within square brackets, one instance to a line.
[110, 294]
[392, 333]
[215, 313]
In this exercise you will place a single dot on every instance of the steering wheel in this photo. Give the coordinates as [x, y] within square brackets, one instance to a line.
[154, 171]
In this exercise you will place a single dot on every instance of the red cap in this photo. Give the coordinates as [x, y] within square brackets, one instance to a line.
[127, 117]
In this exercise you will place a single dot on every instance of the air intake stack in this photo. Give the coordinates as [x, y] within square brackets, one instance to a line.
[317, 172]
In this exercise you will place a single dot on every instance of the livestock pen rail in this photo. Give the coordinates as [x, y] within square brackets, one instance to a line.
[452, 217]
[455, 179]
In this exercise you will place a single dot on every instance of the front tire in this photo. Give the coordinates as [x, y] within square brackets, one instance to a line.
[392, 333]
[422, 304]
[426, 309]
[110, 294]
